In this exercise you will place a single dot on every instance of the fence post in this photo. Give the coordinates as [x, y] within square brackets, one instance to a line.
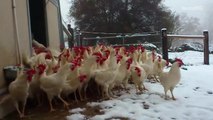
[206, 47]
[123, 36]
[164, 43]
[80, 39]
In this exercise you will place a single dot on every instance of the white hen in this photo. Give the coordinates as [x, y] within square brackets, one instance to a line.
[54, 83]
[18, 89]
[170, 79]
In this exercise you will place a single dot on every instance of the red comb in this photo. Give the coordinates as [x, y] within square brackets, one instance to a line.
[142, 49]
[41, 68]
[153, 55]
[159, 58]
[138, 70]
[129, 60]
[117, 49]
[74, 64]
[97, 54]
[179, 61]
[18, 65]
[73, 67]
[107, 52]
[167, 62]
[30, 74]
[119, 57]
[82, 78]
[48, 56]
[131, 49]
[67, 54]
[102, 60]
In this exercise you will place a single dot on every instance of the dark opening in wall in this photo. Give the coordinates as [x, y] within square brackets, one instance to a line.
[38, 21]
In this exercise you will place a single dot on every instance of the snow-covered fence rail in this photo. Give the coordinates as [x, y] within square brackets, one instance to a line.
[119, 39]
[204, 37]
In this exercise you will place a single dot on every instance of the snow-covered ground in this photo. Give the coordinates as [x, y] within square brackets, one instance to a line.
[194, 96]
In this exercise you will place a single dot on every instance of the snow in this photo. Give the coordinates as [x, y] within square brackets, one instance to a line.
[77, 116]
[194, 96]
[77, 110]
[147, 44]
[191, 57]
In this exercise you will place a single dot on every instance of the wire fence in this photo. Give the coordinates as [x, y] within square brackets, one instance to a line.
[84, 38]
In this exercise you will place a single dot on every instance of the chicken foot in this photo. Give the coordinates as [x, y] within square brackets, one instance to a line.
[76, 100]
[66, 104]
[79, 92]
[112, 95]
[106, 92]
[165, 92]
[156, 79]
[85, 91]
[171, 90]
[17, 108]
[50, 103]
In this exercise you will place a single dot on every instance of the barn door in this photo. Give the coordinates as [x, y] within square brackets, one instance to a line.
[38, 21]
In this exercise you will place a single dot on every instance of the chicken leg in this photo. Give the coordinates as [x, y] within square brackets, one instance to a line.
[165, 91]
[17, 108]
[65, 103]
[39, 99]
[23, 110]
[85, 91]
[171, 90]
[76, 100]
[50, 103]
[79, 92]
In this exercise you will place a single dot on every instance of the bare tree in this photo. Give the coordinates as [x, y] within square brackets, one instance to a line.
[121, 15]
[209, 19]
[186, 25]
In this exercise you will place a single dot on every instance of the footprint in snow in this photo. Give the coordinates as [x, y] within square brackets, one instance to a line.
[132, 112]
[209, 92]
[145, 105]
[196, 88]
[186, 97]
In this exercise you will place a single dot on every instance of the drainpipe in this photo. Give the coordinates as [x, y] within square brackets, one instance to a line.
[29, 27]
[16, 37]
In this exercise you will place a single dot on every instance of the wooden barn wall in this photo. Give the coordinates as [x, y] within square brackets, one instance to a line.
[7, 30]
[8, 50]
[53, 25]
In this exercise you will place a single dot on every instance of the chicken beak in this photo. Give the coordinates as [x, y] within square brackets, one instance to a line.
[184, 68]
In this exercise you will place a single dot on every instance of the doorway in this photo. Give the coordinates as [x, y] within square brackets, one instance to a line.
[38, 21]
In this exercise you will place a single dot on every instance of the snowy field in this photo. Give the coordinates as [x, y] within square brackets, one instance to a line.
[194, 96]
